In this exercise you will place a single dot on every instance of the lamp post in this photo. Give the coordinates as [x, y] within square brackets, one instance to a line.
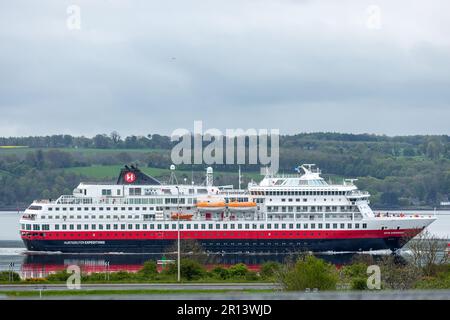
[178, 232]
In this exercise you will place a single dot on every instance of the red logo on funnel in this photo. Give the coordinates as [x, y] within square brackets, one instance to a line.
[130, 177]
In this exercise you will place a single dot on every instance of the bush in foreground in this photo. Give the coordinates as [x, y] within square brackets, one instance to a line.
[309, 272]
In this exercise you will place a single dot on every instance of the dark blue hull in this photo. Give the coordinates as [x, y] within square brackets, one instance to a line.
[217, 246]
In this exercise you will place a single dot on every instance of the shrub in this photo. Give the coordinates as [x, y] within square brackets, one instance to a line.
[355, 270]
[310, 273]
[121, 276]
[191, 269]
[268, 269]
[251, 276]
[149, 270]
[238, 270]
[58, 276]
[220, 273]
[358, 283]
[6, 276]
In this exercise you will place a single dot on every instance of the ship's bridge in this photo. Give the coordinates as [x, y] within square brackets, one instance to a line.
[311, 177]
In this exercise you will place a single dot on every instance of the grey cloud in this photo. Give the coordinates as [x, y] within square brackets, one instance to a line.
[142, 67]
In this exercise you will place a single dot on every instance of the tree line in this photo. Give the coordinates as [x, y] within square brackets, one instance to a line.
[410, 171]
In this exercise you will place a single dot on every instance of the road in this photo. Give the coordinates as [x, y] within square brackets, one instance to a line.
[234, 293]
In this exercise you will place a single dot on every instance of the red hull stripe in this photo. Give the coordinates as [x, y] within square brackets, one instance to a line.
[228, 235]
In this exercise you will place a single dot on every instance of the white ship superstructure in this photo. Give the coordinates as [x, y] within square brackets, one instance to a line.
[282, 213]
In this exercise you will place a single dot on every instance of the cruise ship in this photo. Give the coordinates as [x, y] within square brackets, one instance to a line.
[283, 213]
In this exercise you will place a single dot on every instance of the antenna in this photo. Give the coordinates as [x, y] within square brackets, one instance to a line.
[173, 177]
[239, 177]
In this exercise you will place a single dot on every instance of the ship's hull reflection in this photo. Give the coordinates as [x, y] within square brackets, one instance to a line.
[40, 265]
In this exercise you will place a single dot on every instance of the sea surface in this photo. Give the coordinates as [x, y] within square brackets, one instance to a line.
[13, 254]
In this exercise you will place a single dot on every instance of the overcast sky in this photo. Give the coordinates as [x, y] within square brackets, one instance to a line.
[142, 67]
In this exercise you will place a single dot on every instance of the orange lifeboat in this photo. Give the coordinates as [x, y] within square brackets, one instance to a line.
[211, 206]
[241, 206]
[181, 216]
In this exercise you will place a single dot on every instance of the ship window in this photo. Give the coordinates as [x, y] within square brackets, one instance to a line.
[305, 226]
[313, 225]
[56, 226]
[261, 226]
[49, 209]
[239, 226]
[320, 226]
[71, 226]
[64, 227]
[166, 226]
[349, 225]
[217, 226]
[203, 226]
[136, 216]
[181, 226]
[364, 226]
[122, 227]
[57, 208]
[334, 225]
[269, 226]
[356, 225]
[100, 227]
[210, 226]
[342, 225]
[78, 226]
[144, 226]
[195, 226]
[152, 226]
[93, 227]
[298, 225]
[101, 208]
[93, 208]
[159, 226]
[137, 208]
[106, 192]
[174, 226]
[115, 208]
[188, 226]
[232, 226]
[275, 226]
[78, 217]
[86, 208]
[78, 209]
[130, 226]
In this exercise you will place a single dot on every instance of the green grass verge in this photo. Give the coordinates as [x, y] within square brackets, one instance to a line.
[82, 292]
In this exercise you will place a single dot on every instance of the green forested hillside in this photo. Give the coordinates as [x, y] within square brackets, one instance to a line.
[409, 171]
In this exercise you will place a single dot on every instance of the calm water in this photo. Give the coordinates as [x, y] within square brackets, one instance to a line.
[37, 265]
